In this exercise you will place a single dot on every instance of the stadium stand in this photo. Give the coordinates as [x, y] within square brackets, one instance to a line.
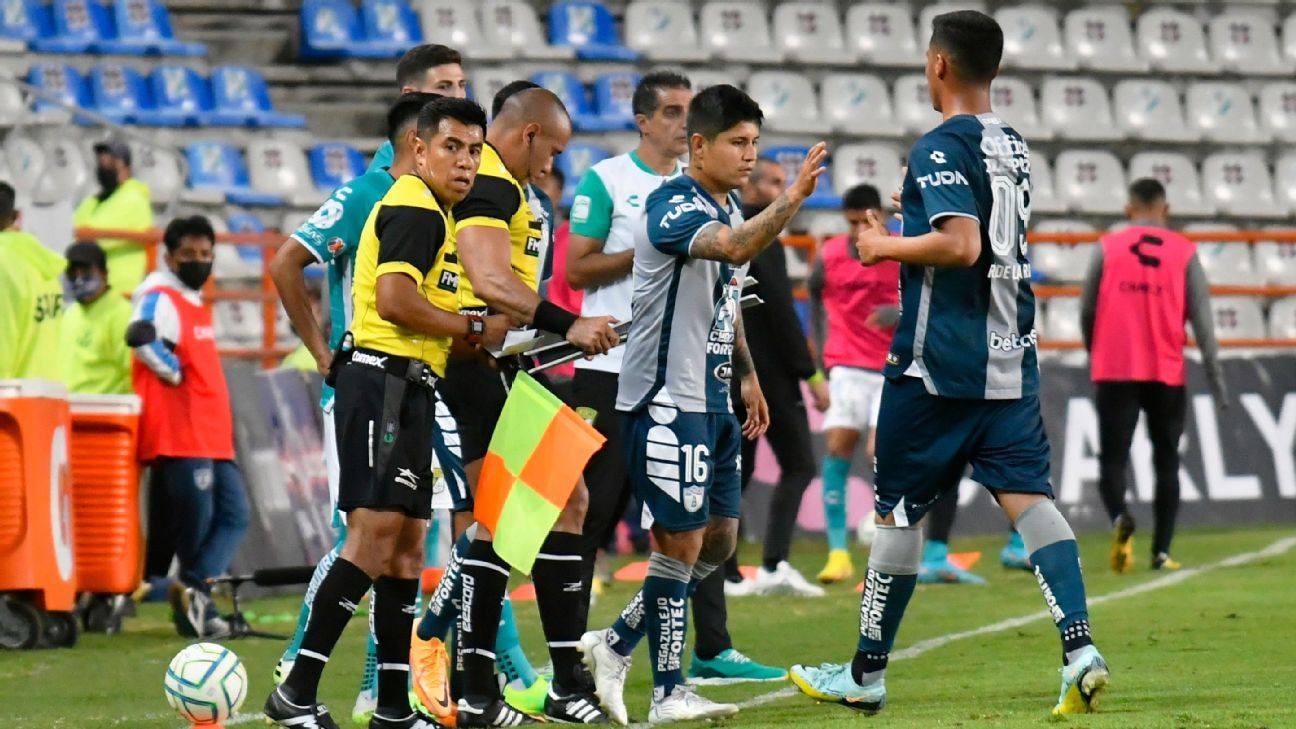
[809, 33]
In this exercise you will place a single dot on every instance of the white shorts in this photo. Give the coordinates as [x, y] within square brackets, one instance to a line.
[856, 395]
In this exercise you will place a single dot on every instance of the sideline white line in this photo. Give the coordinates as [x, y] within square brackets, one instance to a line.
[1279, 547]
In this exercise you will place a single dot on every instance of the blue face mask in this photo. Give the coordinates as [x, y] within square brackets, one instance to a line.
[86, 288]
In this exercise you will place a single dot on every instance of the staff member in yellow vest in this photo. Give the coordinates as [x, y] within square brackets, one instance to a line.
[122, 203]
[93, 352]
[31, 298]
[385, 415]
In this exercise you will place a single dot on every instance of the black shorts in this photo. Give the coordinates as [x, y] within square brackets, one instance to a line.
[384, 462]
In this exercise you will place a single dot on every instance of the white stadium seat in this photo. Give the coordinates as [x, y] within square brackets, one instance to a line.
[738, 31]
[1289, 39]
[1223, 112]
[877, 164]
[1237, 317]
[1099, 38]
[1285, 181]
[279, 168]
[882, 33]
[826, 225]
[237, 323]
[1148, 109]
[27, 163]
[1239, 184]
[159, 169]
[1043, 193]
[1225, 263]
[913, 107]
[854, 103]
[513, 25]
[1245, 43]
[1282, 318]
[1014, 101]
[788, 102]
[229, 265]
[663, 30]
[1078, 108]
[1090, 181]
[1173, 41]
[924, 29]
[1062, 319]
[1032, 39]
[810, 33]
[1179, 176]
[455, 24]
[1278, 110]
[485, 82]
[1275, 261]
[702, 78]
[1062, 262]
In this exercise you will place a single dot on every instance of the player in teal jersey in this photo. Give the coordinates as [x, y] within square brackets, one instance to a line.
[431, 68]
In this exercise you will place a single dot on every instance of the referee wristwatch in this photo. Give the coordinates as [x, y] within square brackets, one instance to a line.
[476, 329]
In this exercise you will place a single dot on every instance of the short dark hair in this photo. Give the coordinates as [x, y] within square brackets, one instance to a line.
[558, 175]
[721, 107]
[645, 99]
[461, 110]
[183, 227]
[972, 40]
[7, 197]
[509, 89]
[862, 197]
[405, 112]
[1147, 191]
[414, 65]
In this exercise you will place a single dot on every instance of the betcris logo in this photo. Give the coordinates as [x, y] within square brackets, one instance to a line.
[1012, 341]
[942, 178]
[684, 205]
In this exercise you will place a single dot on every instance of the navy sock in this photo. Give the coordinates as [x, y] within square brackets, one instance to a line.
[628, 629]
[882, 605]
[1057, 568]
[665, 594]
[443, 607]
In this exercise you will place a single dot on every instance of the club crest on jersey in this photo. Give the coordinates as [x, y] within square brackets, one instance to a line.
[691, 497]
[336, 246]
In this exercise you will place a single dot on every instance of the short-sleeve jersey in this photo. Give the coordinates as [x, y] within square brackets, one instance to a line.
[382, 157]
[407, 233]
[498, 200]
[684, 310]
[969, 332]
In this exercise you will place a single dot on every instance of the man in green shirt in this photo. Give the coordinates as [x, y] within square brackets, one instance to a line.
[31, 298]
[122, 203]
[93, 352]
[430, 69]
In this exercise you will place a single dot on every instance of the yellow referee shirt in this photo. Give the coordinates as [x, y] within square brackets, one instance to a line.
[497, 200]
[407, 232]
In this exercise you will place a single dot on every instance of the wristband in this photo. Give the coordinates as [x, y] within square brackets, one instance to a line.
[476, 329]
[816, 378]
[553, 318]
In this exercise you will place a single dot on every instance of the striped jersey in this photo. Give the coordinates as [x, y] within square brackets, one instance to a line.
[969, 332]
[684, 310]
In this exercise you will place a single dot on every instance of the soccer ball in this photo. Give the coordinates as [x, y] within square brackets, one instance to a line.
[206, 683]
[867, 529]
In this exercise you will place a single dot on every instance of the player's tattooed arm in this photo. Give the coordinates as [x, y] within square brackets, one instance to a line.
[742, 360]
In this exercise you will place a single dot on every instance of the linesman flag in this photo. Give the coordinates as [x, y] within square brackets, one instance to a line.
[537, 453]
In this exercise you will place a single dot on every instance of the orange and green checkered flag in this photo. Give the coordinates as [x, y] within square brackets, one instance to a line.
[537, 453]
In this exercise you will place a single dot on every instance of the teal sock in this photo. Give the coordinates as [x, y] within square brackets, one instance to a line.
[303, 615]
[509, 656]
[934, 551]
[835, 471]
[1015, 540]
[369, 682]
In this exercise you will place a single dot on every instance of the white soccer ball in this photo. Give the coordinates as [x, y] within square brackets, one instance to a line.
[867, 529]
[206, 683]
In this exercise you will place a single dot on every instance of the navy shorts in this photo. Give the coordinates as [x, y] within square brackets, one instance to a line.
[684, 467]
[925, 443]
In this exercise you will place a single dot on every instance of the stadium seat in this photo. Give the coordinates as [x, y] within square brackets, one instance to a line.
[1278, 110]
[1173, 41]
[279, 168]
[1225, 264]
[333, 29]
[120, 94]
[1237, 317]
[663, 30]
[790, 158]
[1282, 318]
[26, 160]
[574, 96]
[913, 106]
[1285, 181]
[930, 11]
[66, 173]
[1014, 101]
[24, 20]
[882, 33]
[702, 78]
[389, 26]
[76, 26]
[1032, 39]
[1289, 39]
[1061, 319]
[455, 24]
[484, 83]
[738, 31]
[879, 165]
[1239, 184]
[63, 83]
[240, 98]
[854, 103]
[180, 96]
[588, 27]
[158, 168]
[219, 167]
[244, 222]
[1275, 262]
[1090, 181]
[14, 109]
[614, 97]
[512, 24]
[1078, 108]
[1246, 43]
[788, 101]
[574, 161]
[333, 164]
[144, 27]
[809, 32]
[1099, 39]
[1179, 175]
[1149, 109]
[237, 323]
[824, 225]
[1061, 263]
[1223, 112]
[1043, 193]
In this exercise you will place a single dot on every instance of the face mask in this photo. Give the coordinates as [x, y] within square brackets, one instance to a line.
[193, 273]
[107, 177]
[86, 288]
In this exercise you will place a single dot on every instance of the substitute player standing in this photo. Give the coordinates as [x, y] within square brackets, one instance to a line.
[1143, 282]
[681, 438]
[962, 379]
[432, 69]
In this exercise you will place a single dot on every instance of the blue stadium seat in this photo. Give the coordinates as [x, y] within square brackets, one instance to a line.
[24, 20]
[240, 98]
[121, 94]
[244, 223]
[143, 27]
[220, 167]
[790, 157]
[575, 159]
[334, 164]
[333, 29]
[576, 99]
[614, 96]
[389, 26]
[77, 27]
[60, 81]
[180, 96]
[589, 28]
